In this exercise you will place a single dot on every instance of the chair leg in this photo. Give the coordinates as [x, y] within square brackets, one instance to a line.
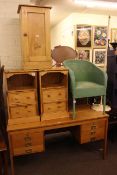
[74, 108]
[104, 103]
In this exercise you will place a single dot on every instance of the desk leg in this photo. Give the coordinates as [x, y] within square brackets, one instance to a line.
[11, 157]
[105, 140]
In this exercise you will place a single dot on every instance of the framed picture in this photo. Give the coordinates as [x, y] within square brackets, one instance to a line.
[114, 35]
[83, 36]
[100, 37]
[84, 54]
[99, 57]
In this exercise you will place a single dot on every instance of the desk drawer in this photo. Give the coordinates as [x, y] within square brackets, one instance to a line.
[27, 141]
[92, 131]
[22, 111]
[22, 98]
[93, 125]
[92, 135]
[53, 95]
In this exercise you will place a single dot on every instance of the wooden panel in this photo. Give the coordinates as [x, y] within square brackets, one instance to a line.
[35, 34]
[54, 107]
[92, 131]
[52, 116]
[92, 125]
[27, 141]
[23, 111]
[53, 95]
[92, 135]
[37, 65]
[21, 97]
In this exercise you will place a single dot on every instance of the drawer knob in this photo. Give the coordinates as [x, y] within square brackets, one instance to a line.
[28, 144]
[48, 95]
[28, 97]
[93, 132]
[93, 127]
[28, 151]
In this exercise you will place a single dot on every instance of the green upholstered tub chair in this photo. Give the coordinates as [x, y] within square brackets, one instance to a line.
[86, 80]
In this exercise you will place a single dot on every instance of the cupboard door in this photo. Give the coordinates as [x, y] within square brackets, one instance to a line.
[35, 27]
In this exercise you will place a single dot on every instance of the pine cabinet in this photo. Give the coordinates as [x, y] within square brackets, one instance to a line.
[35, 36]
[21, 88]
[53, 86]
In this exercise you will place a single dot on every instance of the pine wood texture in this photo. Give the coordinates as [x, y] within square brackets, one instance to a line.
[35, 36]
[21, 89]
[26, 137]
[53, 85]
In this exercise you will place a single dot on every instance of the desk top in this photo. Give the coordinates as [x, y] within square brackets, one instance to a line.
[84, 114]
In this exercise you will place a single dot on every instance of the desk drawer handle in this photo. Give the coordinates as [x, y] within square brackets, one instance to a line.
[93, 133]
[93, 127]
[28, 151]
[28, 144]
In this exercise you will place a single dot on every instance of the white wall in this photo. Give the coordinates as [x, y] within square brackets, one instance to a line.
[63, 33]
[10, 49]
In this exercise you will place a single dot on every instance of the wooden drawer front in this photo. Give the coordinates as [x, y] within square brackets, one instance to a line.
[54, 107]
[23, 111]
[92, 136]
[53, 95]
[21, 98]
[94, 125]
[92, 131]
[27, 141]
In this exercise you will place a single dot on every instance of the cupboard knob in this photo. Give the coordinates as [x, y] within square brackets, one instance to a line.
[25, 34]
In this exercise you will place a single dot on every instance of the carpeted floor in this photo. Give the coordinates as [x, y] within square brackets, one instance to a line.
[64, 156]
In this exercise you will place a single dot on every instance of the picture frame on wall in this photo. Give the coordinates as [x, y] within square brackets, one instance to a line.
[84, 54]
[99, 57]
[100, 37]
[83, 36]
[114, 35]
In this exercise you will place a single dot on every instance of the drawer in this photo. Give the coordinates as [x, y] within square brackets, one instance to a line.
[93, 125]
[27, 141]
[21, 98]
[53, 95]
[92, 135]
[54, 107]
[92, 131]
[22, 111]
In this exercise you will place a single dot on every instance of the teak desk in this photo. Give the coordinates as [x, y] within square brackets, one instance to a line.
[27, 136]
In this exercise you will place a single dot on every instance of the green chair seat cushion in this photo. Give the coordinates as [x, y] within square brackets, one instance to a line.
[89, 89]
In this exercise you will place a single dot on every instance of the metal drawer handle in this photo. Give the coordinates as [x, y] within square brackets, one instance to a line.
[28, 151]
[93, 127]
[28, 144]
[93, 132]
[27, 139]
